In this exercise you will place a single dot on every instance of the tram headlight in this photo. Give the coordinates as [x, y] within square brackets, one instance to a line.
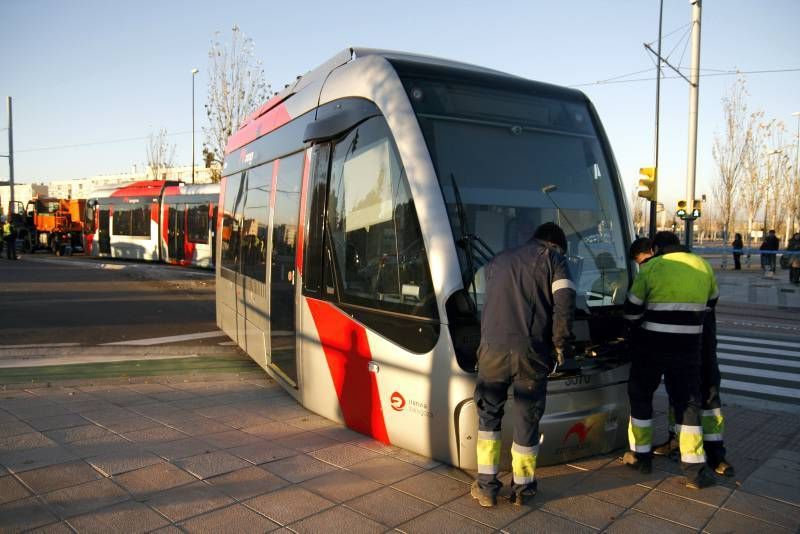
[416, 93]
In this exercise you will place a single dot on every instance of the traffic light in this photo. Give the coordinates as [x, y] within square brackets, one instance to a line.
[681, 209]
[648, 187]
[697, 208]
[208, 156]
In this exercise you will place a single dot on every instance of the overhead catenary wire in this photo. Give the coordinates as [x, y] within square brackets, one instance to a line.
[94, 143]
[610, 81]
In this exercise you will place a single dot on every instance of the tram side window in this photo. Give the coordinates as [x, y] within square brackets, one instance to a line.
[315, 218]
[255, 222]
[377, 245]
[140, 221]
[131, 220]
[89, 225]
[122, 220]
[197, 223]
[230, 221]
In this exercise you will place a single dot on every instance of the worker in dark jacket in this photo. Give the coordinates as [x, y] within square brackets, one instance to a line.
[668, 301]
[526, 329]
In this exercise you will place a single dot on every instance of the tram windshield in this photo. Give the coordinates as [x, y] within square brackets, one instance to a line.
[510, 155]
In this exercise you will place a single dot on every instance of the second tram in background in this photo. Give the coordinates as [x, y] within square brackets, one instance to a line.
[155, 220]
[360, 205]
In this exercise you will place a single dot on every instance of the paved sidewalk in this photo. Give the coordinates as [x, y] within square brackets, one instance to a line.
[234, 453]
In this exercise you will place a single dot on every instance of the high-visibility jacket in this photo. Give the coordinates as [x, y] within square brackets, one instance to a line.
[6, 229]
[671, 293]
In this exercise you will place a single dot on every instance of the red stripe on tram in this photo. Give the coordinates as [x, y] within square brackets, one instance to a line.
[347, 352]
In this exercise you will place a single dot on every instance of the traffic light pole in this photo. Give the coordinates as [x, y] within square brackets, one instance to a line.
[694, 96]
[654, 202]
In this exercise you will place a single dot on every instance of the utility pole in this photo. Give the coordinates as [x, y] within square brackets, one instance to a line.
[694, 96]
[654, 202]
[10, 157]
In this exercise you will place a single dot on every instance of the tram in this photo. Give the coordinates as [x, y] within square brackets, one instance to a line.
[154, 220]
[359, 207]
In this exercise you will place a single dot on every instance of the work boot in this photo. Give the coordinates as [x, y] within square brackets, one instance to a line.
[519, 498]
[669, 448]
[724, 468]
[484, 499]
[640, 462]
[704, 479]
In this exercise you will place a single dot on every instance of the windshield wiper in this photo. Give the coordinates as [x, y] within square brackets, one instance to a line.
[482, 252]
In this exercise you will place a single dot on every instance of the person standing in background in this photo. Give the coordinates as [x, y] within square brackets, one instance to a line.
[769, 253]
[794, 259]
[737, 245]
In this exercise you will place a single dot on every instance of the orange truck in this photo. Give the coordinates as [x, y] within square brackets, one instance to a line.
[50, 223]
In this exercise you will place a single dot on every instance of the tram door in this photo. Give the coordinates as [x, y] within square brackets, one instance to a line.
[103, 234]
[176, 232]
[253, 313]
[230, 293]
[283, 334]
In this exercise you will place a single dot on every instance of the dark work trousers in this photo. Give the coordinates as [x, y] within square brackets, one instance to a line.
[681, 370]
[737, 261]
[11, 247]
[710, 381]
[525, 371]
[794, 274]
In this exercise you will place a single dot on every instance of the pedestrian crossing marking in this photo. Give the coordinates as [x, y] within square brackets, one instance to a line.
[778, 391]
[759, 341]
[763, 373]
[759, 369]
[776, 352]
[757, 359]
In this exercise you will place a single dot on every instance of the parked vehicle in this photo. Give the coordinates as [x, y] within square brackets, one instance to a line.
[153, 220]
[359, 206]
[50, 223]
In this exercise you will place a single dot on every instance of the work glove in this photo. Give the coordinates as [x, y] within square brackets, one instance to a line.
[561, 355]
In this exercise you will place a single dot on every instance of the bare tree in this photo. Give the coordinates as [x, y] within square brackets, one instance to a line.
[160, 154]
[754, 177]
[638, 213]
[776, 173]
[729, 152]
[236, 87]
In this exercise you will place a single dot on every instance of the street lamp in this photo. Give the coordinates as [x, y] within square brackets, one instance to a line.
[194, 71]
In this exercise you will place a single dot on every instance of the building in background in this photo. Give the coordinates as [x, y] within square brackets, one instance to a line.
[22, 193]
[82, 187]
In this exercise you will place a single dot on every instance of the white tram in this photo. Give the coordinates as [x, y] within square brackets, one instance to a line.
[359, 206]
[154, 220]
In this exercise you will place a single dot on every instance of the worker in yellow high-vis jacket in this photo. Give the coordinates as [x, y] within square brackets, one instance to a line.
[526, 327]
[668, 301]
[712, 418]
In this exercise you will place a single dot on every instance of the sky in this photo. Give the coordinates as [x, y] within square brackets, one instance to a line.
[92, 80]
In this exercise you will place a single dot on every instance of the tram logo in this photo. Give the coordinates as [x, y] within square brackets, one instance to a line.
[580, 430]
[398, 402]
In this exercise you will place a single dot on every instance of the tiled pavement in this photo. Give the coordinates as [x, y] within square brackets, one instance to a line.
[236, 454]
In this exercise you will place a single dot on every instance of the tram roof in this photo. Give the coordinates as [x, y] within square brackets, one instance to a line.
[353, 53]
[275, 112]
[134, 188]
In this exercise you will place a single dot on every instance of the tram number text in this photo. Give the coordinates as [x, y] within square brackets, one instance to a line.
[578, 380]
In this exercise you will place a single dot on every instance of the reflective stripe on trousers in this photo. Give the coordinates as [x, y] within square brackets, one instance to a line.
[690, 439]
[523, 463]
[713, 424]
[488, 452]
[640, 434]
